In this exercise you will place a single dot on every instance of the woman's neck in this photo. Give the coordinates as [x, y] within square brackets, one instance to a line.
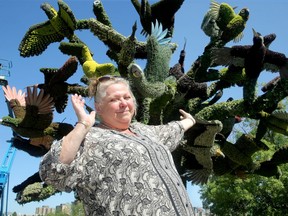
[124, 130]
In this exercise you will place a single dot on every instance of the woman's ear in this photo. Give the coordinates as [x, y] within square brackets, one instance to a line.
[98, 108]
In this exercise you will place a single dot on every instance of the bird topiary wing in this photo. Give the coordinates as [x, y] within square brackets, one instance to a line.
[35, 192]
[37, 39]
[13, 94]
[67, 15]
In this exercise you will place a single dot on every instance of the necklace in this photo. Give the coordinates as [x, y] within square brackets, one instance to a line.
[117, 129]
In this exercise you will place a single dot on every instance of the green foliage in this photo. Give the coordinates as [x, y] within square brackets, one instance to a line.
[255, 195]
[57, 214]
[78, 209]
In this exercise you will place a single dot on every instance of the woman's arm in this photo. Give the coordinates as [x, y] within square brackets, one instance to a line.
[72, 141]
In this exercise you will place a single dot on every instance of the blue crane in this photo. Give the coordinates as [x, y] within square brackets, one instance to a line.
[6, 165]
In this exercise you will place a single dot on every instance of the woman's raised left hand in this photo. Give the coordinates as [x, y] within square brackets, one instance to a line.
[187, 119]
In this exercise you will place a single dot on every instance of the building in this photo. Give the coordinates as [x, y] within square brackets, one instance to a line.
[64, 208]
[201, 212]
[44, 210]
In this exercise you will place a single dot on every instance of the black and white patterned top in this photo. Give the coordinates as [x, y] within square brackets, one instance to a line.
[120, 174]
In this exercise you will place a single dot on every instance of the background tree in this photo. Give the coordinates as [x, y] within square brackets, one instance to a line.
[57, 214]
[77, 209]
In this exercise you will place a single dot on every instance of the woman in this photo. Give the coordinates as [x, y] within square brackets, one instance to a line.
[119, 167]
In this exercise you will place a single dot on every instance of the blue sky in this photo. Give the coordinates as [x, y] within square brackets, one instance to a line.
[17, 16]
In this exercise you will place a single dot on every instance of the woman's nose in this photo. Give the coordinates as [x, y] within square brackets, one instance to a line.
[123, 102]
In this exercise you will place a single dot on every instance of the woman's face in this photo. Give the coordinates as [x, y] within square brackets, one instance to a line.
[117, 107]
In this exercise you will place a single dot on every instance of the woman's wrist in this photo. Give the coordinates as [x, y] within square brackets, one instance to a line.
[187, 123]
[191, 120]
[190, 117]
[84, 123]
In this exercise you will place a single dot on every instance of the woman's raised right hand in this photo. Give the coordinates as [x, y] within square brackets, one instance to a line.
[78, 103]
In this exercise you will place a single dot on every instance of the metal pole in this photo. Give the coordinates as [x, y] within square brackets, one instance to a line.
[10, 154]
[2, 200]
[7, 194]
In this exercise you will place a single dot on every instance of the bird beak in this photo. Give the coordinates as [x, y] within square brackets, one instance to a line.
[135, 70]
[255, 33]
[219, 153]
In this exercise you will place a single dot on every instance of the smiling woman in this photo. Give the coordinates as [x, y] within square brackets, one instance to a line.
[115, 104]
[119, 166]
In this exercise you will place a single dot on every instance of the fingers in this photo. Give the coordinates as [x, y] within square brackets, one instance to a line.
[187, 120]
[182, 112]
[92, 114]
[185, 115]
[77, 100]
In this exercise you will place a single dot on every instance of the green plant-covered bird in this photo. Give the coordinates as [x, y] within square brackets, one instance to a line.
[37, 191]
[231, 24]
[29, 146]
[271, 84]
[61, 24]
[254, 58]
[114, 40]
[55, 82]
[100, 13]
[178, 69]
[164, 11]
[277, 121]
[127, 53]
[228, 124]
[33, 117]
[150, 81]
[30, 180]
[209, 25]
[188, 86]
[33, 113]
[90, 67]
[238, 156]
[199, 163]
[158, 53]
[146, 89]
[200, 144]
[271, 167]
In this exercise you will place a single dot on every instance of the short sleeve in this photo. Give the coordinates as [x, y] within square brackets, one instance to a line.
[169, 134]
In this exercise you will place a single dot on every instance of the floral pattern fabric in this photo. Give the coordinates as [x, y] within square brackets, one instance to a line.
[119, 174]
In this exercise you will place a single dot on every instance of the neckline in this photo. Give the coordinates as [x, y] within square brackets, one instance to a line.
[126, 131]
[110, 128]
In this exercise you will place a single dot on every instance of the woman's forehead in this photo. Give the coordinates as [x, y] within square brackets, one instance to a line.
[117, 89]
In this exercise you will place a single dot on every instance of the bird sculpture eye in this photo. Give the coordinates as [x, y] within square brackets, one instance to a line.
[96, 2]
